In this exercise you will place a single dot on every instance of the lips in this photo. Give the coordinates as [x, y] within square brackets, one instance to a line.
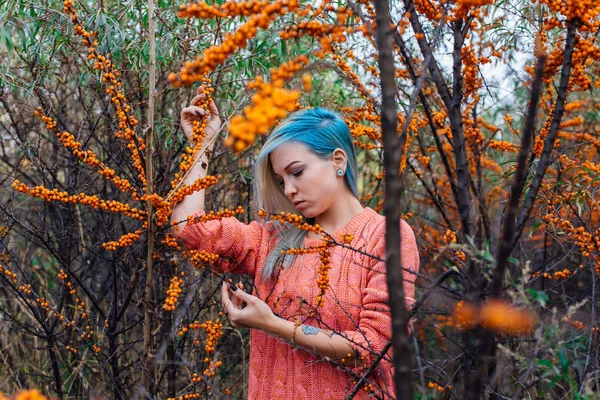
[299, 203]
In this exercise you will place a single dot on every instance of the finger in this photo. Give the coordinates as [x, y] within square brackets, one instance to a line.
[229, 302]
[196, 100]
[225, 299]
[193, 111]
[237, 302]
[243, 296]
[200, 90]
[228, 305]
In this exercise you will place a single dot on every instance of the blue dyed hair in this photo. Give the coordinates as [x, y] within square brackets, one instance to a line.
[321, 131]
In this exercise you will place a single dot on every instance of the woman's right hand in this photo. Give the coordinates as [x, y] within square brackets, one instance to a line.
[194, 113]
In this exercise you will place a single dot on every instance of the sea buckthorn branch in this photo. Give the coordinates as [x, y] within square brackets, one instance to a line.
[290, 218]
[189, 152]
[124, 241]
[197, 140]
[81, 198]
[556, 118]
[467, 8]
[179, 180]
[434, 192]
[215, 55]
[270, 103]
[351, 76]
[173, 292]
[86, 156]
[199, 259]
[323, 276]
[212, 215]
[127, 122]
[558, 275]
[9, 275]
[438, 387]
[198, 184]
[580, 325]
[436, 119]
[86, 333]
[53, 312]
[587, 240]
[170, 241]
[230, 9]
[358, 130]
[431, 9]
[587, 11]
[213, 330]
[299, 222]
[327, 35]
[317, 29]
[407, 123]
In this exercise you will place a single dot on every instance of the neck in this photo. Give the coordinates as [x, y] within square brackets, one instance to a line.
[344, 209]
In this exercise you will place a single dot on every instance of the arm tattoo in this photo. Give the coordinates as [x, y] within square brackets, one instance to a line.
[311, 330]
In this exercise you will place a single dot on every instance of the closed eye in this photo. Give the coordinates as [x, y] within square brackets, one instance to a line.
[298, 173]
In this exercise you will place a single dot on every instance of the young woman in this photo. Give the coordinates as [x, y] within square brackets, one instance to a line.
[300, 349]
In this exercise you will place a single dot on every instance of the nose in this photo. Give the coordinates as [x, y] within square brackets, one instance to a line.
[290, 189]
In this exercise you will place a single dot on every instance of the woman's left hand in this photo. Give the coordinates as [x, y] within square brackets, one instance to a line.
[256, 314]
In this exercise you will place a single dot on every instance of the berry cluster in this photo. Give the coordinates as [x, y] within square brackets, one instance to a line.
[270, 103]
[215, 55]
[173, 293]
[439, 388]
[558, 275]
[199, 259]
[127, 122]
[290, 218]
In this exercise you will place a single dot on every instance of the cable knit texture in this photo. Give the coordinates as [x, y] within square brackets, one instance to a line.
[355, 303]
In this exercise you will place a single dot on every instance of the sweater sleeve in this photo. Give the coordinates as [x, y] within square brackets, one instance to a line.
[241, 247]
[375, 325]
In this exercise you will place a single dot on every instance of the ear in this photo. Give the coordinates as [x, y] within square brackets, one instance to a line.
[339, 158]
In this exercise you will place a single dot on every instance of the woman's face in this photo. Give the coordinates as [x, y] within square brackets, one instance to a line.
[309, 181]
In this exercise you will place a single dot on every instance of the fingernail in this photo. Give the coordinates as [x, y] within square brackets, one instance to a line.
[233, 287]
[198, 113]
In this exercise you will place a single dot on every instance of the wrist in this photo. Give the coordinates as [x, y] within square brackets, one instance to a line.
[205, 151]
[279, 327]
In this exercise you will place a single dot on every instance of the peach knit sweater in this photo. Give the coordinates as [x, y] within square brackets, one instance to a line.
[355, 303]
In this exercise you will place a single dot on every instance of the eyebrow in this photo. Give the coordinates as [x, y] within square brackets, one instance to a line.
[289, 165]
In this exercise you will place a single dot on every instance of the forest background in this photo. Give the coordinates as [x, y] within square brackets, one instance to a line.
[486, 112]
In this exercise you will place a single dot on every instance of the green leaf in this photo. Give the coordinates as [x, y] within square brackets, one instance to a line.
[563, 360]
[544, 363]
[534, 228]
[539, 296]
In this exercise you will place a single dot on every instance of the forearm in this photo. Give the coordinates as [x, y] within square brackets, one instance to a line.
[318, 341]
[194, 202]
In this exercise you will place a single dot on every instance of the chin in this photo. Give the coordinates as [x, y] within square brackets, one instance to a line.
[309, 214]
[305, 213]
